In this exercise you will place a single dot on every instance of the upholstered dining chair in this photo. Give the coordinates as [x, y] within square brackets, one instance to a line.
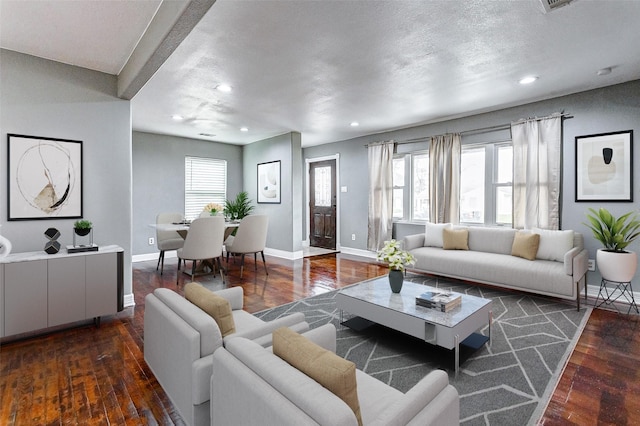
[251, 237]
[204, 242]
[167, 240]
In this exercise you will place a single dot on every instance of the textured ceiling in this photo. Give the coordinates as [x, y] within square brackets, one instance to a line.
[315, 66]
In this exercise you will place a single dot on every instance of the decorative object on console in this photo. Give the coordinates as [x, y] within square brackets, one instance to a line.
[52, 246]
[5, 246]
[82, 228]
[45, 178]
[397, 259]
[604, 167]
[615, 263]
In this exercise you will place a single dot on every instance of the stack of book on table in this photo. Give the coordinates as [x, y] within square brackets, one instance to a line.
[443, 301]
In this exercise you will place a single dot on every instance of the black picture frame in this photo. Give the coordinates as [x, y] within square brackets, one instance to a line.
[269, 182]
[44, 178]
[604, 167]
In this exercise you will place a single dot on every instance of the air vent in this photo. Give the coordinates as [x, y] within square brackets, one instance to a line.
[550, 5]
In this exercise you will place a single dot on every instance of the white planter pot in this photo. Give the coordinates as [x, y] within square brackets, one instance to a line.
[618, 267]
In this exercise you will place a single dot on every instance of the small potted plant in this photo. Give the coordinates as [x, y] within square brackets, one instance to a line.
[213, 208]
[82, 227]
[615, 263]
[238, 208]
[397, 259]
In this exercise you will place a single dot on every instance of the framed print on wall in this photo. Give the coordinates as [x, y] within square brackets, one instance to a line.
[604, 167]
[269, 182]
[44, 178]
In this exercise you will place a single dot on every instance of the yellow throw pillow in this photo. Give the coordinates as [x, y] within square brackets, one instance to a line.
[334, 373]
[455, 239]
[525, 244]
[216, 306]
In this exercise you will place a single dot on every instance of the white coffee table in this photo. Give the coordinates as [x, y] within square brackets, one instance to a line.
[374, 301]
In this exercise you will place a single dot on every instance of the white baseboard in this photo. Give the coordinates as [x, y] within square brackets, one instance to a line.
[358, 252]
[284, 254]
[129, 300]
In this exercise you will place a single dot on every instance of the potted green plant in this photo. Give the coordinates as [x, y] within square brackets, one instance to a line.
[238, 208]
[614, 261]
[82, 227]
[397, 259]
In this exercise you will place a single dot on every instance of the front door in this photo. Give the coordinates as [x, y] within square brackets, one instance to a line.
[322, 204]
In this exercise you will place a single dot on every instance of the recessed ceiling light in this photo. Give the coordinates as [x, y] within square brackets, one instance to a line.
[177, 117]
[244, 129]
[604, 71]
[528, 80]
[224, 88]
[354, 124]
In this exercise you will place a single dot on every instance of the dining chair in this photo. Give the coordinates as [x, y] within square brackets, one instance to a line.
[250, 237]
[167, 240]
[204, 242]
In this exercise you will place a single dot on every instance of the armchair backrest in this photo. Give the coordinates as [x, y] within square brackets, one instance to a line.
[252, 234]
[167, 218]
[205, 238]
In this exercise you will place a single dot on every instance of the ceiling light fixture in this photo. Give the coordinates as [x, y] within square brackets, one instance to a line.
[223, 88]
[528, 80]
[354, 124]
[244, 129]
[177, 117]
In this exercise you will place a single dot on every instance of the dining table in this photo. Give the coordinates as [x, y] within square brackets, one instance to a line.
[182, 228]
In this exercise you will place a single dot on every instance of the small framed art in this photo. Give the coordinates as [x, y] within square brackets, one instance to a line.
[604, 167]
[269, 186]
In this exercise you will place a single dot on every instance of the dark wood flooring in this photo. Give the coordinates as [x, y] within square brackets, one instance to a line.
[88, 375]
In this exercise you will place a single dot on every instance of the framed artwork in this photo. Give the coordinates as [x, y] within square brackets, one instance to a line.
[604, 167]
[45, 178]
[269, 182]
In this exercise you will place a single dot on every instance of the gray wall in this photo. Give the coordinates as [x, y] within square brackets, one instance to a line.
[285, 230]
[158, 178]
[610, 109]
[49, 99]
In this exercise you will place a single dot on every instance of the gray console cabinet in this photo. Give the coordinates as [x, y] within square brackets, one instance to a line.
[38, 291]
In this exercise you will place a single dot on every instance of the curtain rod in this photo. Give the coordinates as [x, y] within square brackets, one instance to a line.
[478, 131]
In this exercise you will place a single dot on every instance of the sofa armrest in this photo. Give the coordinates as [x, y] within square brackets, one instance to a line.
[266, 329]
[431, 401]
[575, 262]
[411, 242]
[201, 371]
[323, 336]
[234, 295]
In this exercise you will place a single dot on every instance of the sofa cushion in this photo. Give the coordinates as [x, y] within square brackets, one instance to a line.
[455, 239]
[334, 373]
[216, 306]
[491, 239]
[554, 244]
[433, 234]
[525, 245]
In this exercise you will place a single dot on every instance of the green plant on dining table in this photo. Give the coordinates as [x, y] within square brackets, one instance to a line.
[238, 208]
[393, 254]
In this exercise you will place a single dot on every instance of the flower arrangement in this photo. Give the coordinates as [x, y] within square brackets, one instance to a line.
[393, 254]
[213, 208]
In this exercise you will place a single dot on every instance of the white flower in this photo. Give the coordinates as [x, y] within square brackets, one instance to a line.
[393, 254]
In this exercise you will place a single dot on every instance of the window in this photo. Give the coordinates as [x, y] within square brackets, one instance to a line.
[205, 182]
[420, 186]
[398, 187]
[486, 184]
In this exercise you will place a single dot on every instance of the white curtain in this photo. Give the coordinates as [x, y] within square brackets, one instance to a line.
[444, 178]
[536, 172]
[380, 194]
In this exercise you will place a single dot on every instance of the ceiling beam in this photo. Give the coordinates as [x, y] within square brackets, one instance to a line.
[171, 24]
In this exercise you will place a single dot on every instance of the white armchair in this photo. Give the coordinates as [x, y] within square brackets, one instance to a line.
[180, 339]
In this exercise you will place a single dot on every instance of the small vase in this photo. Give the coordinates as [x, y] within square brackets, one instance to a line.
[82, 231]
[396, 277]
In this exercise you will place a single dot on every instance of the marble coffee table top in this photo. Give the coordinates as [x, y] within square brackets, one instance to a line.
[378, 292]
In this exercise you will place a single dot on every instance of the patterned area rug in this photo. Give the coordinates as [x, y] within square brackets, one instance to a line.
[508, 382]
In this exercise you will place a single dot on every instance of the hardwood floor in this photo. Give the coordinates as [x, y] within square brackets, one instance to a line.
[89, 375]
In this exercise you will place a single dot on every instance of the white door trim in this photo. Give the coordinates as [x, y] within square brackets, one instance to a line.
[308, 161]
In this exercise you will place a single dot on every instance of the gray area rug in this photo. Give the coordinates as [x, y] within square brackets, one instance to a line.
[508, 382]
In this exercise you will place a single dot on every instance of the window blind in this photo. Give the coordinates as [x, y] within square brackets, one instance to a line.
[205, 182]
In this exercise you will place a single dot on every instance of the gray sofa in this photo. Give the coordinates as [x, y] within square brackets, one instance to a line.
[252, 386]
[180, 339]
[489, 261]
